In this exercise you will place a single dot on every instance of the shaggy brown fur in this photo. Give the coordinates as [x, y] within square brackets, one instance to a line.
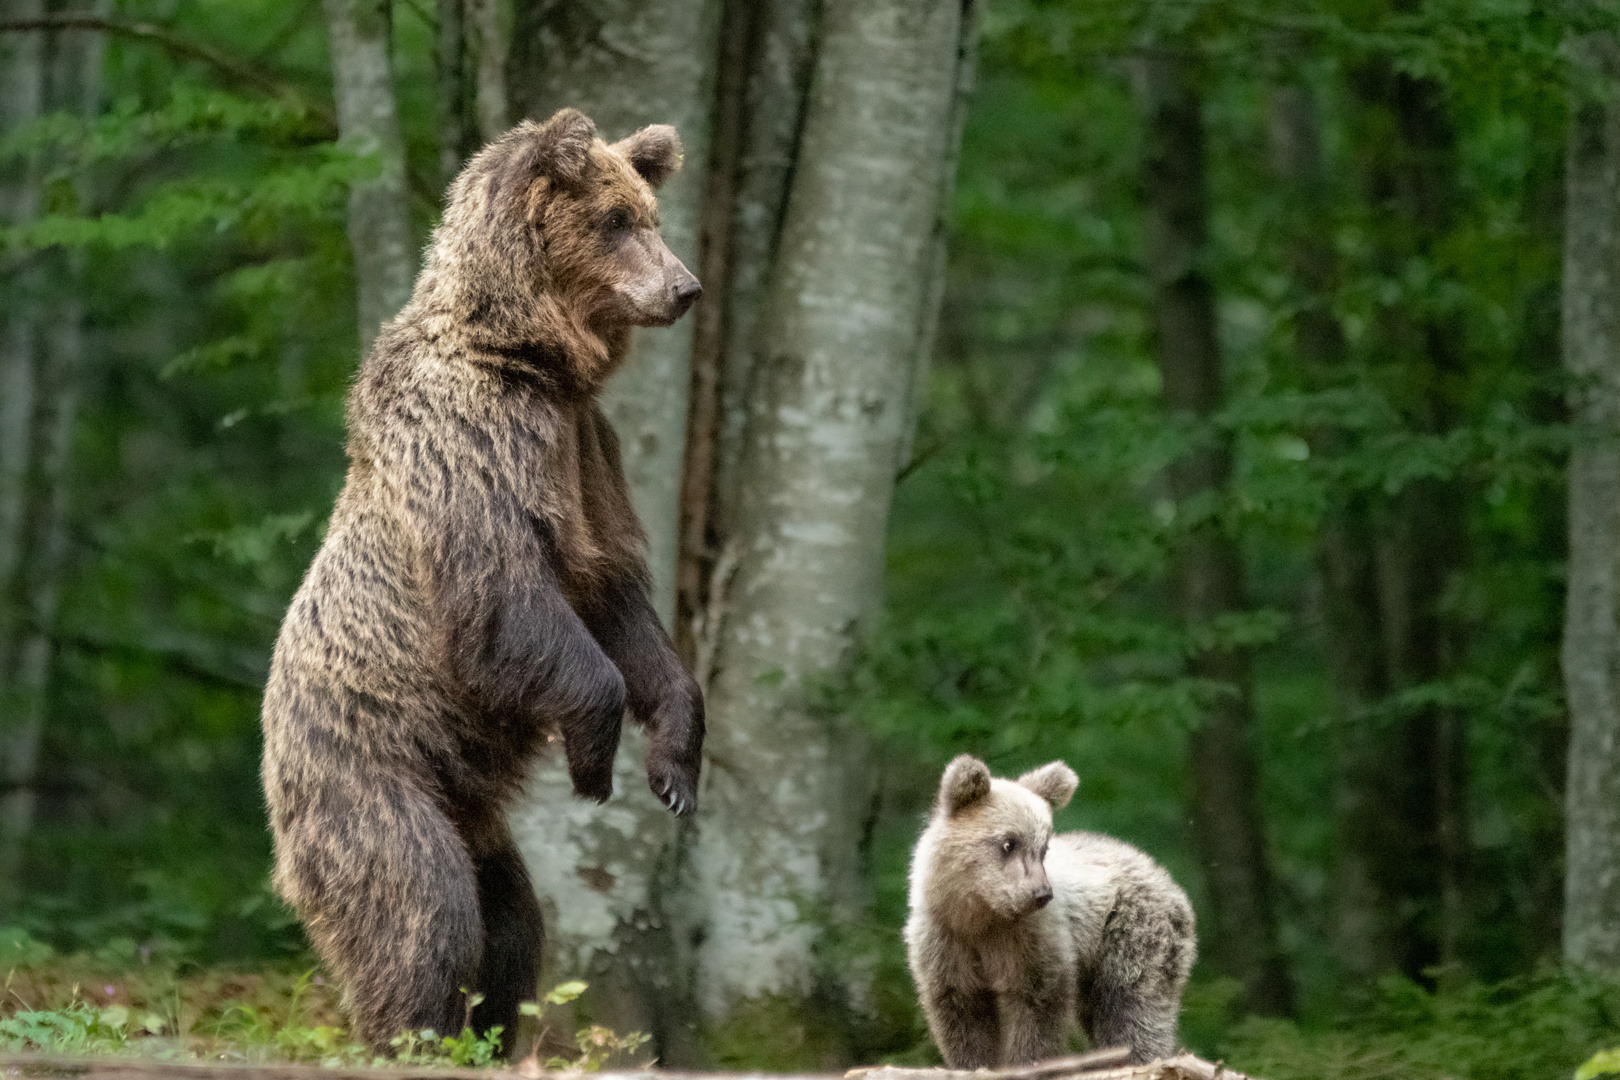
[482, 588]
[1014, 931]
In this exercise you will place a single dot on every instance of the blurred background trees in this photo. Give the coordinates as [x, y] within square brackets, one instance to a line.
[1177, 389]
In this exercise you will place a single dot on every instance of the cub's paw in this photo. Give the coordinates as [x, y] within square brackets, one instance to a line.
[674, 784]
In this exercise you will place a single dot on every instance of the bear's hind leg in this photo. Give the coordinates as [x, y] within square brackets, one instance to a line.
[387, 893]
[510, 972]
[1138, 1015]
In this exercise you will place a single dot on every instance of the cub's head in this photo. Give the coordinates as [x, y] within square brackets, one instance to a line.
[550, 232]
[988, 840]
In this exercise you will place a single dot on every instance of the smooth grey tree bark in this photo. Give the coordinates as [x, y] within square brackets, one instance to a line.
[600, 871]
[1240, 929]
[1591, 659]
[385, 256]
[841, 318]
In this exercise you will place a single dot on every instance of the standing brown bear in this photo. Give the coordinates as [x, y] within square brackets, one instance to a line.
[482, 588]
[1010, 938]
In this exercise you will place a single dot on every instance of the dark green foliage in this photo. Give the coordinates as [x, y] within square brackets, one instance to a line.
[1026, 612]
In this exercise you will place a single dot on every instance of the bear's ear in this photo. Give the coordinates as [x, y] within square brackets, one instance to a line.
[966, 781]
[1054, 782]
[562, 150]
[654, 152]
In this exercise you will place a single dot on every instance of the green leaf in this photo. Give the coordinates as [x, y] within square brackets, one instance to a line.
[566, 992]
[1602, 1063]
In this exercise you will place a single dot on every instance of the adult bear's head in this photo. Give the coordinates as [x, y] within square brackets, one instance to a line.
[550, 244]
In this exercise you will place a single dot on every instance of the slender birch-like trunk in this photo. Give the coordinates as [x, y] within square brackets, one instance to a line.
[368, 126]
[450, 70]
[601, 872]
[484, 18]
[1346, 551]
[22, 85]
[1591, 337]
[840, 321]
[38, 467]
[1240, 929]
[1405, 779]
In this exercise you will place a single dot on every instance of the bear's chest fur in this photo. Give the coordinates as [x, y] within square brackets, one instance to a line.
[578, 492]
[1009, 957]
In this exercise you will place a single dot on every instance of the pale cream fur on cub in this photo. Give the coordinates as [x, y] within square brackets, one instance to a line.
[1013, 931]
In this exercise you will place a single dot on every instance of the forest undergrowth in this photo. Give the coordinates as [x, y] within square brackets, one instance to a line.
[117, 1001]
[124, 1000]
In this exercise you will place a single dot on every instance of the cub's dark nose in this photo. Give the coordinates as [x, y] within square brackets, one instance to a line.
[1041, 897]
[687, 290]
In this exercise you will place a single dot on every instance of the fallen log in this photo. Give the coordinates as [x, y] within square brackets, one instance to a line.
[1040, 1070]
[1097, 1065]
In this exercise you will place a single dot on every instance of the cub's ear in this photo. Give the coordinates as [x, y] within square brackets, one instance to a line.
[562, 150]
[966, 781]
[1054, 782]
[654, 152]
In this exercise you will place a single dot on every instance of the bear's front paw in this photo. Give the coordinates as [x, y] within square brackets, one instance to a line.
[594, 782]
[675, 784]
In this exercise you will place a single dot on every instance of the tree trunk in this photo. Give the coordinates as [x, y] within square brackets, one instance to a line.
[833, 355]
[22, 83]
[368, 126]
[709, 326]
[1410, 768]
[601, 872]
[1591, 336]
[767, 52]
[449, 57]
[484, 16]
[1346, 554]
[1207, 569]
[37, 465]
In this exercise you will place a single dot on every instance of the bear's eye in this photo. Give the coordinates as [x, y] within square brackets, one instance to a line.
[1008, 846]
[618, 220]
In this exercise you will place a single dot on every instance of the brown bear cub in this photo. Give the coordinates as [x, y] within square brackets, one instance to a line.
[1009, 938]
[482, 589]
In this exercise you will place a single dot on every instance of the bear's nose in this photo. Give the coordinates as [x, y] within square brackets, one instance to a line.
[1042, 896]
[687, 290]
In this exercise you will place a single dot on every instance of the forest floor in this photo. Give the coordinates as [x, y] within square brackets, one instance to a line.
[1543, 1027]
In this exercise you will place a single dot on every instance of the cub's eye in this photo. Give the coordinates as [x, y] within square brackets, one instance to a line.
[1008, 846]
[618, 220]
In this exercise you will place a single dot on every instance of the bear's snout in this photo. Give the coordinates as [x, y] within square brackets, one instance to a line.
[1040, 896]
[686, 290]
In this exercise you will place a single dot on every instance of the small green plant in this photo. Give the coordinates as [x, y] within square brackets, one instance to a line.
[428, 1047]
[597, 1044]
[1601, 1064]
[79, 1028]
